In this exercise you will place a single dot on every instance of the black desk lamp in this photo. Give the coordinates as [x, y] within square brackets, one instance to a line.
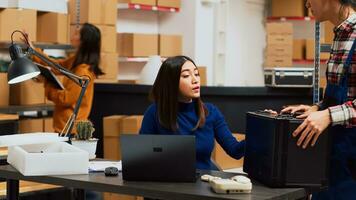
[21, 69]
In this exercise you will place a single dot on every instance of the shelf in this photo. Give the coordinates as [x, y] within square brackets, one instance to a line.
[146, 7]
[307, 62]
[136, 59]
[6, 45]
[29, 111]
[325, 48]
[283, 19]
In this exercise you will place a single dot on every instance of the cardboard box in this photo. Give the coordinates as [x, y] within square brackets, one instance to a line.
[136, 45]
[113, 196]
[110, 65]
[90, 11]
[108, 12]
[279, 61]
[27, 93]
[310, 51]
[169, 3]
[203, 76]
[112, 125]
[53, 28]
[21, 19]
[5, 90]
[279, 33]
[225, 161]
[48, 125]
[288, 8]
[170, 45]
[31, 125]
[56, 6]
[102, 12]
[44, 154]
[279, 28]
[108, 38]
[143, 2]
[131, 124]
[299, 49]
[280, 50]
[112, 150]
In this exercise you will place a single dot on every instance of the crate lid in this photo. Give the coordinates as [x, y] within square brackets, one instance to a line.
[30, 138]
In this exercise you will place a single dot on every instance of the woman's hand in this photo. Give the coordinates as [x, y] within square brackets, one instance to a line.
[27, 40]
[301, 108]
[312, 127]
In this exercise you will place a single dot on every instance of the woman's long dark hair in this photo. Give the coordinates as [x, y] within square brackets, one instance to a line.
[165, 93]
[351, 3]
[89, 48]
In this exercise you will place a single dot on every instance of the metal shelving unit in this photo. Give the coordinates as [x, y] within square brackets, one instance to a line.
[29, 111]
[136, 59]
[6, 45]
[146, 7]
[283, 19]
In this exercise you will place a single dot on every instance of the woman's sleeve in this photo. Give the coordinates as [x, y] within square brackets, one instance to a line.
[224, 136]
[70, 94]
[148, 125]
[66, 63]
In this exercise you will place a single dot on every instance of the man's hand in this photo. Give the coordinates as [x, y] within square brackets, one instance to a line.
[312, 127]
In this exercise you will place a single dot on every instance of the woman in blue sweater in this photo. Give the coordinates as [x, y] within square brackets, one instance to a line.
[178, 109]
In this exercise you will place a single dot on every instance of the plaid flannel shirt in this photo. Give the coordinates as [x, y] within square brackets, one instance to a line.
[345, 34]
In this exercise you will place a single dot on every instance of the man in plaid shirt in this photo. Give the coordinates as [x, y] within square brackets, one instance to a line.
[337, 109]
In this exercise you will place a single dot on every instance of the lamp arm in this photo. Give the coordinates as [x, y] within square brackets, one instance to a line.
[75, 78]
[70, 123]
[82, 81]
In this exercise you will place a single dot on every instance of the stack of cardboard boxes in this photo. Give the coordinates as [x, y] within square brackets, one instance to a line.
[162, 3]
[279, 51]
[145, 45]
[303, 49]
[114, 126]
[44, 21]
[103, 14]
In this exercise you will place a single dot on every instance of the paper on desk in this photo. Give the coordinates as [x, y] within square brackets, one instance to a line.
[99, 166]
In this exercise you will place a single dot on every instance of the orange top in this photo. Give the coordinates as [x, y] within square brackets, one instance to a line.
[66, 99]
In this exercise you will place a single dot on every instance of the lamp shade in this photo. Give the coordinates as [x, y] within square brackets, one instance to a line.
[21, 68]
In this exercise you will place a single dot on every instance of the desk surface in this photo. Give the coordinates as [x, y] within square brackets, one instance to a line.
[170, 191]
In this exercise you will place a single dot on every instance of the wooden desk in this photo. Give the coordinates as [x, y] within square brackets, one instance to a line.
[157, 190]
[8, 117]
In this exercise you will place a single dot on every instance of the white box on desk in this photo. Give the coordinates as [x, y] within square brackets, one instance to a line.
[57, 6]
[39, 154]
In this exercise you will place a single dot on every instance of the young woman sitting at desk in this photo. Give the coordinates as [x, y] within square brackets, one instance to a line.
[178, 109]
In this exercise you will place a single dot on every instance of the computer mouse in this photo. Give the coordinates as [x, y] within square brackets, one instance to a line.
[111, 171]
[241, 179]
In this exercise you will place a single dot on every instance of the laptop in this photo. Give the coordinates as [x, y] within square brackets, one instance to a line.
[165, 158]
